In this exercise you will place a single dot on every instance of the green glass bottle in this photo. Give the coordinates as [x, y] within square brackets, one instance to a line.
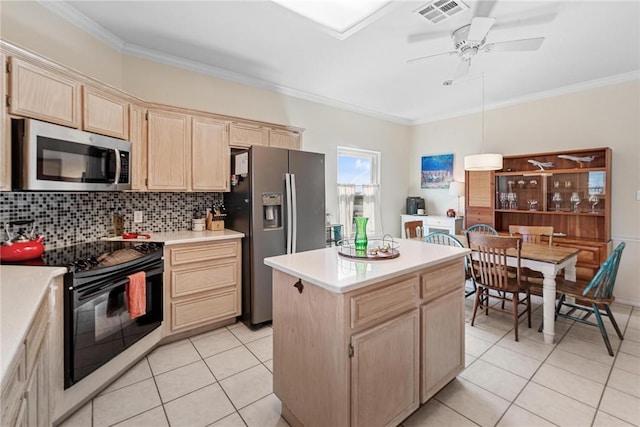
[361, 233]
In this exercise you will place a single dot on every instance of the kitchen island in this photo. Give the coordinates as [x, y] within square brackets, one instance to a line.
[365, 343]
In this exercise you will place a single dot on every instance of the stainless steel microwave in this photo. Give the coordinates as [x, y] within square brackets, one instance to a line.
[48, 157]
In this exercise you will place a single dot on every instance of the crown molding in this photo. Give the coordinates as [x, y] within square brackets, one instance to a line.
[221, 73]
[71, 14]
[565, 90]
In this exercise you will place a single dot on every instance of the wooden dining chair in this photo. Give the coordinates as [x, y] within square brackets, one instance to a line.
[533, 234]
[413, 229]
[446, 239]
[591, 297]
[482, 229]
[492, 274]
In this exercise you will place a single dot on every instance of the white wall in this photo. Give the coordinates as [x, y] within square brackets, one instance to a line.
[603, 117]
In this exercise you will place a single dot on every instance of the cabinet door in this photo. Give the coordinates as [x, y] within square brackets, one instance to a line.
[442, 342]
[104, 113]
[479, 207]
[138, 138]
[37, 390]
[210, 155]
[43, 94]
[247, 134]
[280, 138]
[385, 372]
[169, 139]
[5, 132]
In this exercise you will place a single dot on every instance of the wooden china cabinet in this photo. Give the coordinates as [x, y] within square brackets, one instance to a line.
[572, 194]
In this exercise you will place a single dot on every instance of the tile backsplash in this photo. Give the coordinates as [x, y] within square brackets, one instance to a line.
[68, 218]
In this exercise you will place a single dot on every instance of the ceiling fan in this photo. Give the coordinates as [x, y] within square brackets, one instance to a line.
[470, 40]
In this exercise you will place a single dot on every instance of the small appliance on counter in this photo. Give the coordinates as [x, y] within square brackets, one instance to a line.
[415, 206]
[21, 247]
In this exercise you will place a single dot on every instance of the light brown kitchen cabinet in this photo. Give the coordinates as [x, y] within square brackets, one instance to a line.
[360, 347]
[5, 132]
[442, 323]
[248, 134]
[282, 138]
[26, 388]
[168, 150]
[104, 113]
[210, 155]
[203, 284]
[138, 138]
[375, 368]
[43, 94]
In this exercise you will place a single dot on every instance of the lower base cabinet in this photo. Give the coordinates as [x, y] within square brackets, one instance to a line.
[26, 389]
[202, 284]
[368, 357]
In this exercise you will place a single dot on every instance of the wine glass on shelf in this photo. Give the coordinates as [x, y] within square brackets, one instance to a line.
[575, 201]
[503, 200]
[594, 200]
[533, 204]
[557, 198]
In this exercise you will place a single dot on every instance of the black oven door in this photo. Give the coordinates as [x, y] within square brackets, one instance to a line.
[98, 326]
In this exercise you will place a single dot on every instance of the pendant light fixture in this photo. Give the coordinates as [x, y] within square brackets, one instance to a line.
[483, 161]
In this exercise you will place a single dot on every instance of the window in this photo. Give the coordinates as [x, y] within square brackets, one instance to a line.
[358, 188]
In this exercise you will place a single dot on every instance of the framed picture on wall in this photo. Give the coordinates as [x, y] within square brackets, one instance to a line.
[436, 171]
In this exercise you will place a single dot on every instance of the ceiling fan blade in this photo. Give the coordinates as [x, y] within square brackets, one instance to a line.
[533, 20]
[422, 58]
[523, 45]
[484, 8]
[420, 37]
[462, 70]
[479, 28]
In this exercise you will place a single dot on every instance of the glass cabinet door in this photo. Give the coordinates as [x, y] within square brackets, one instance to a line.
[520, 192]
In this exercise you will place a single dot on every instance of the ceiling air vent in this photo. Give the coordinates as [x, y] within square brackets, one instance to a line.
[439, 10]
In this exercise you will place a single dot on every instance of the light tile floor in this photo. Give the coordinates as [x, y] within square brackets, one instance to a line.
[224, 378]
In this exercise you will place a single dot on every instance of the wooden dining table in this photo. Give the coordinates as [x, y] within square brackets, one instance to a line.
[549, 260]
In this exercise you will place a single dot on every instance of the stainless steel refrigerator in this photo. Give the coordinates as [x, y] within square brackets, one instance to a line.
[277, 201]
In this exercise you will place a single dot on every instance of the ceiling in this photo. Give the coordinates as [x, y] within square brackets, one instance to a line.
[260, 43]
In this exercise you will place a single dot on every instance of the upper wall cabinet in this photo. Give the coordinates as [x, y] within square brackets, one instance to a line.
[209, 155]
[248, 134]
[168, 150]
[5, 132]
[138, 138]
[282, 138]
[42, 94]
[104, 113]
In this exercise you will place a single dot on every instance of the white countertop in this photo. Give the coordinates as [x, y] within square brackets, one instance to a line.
[327, 269]
[186, 236]
[21, 291]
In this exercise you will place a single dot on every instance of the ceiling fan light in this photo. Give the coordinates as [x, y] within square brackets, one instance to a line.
[483, 162]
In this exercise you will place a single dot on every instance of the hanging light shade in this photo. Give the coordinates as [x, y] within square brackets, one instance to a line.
[483, 162]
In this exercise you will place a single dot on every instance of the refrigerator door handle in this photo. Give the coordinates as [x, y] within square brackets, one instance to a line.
[287, 184]
[294, 237]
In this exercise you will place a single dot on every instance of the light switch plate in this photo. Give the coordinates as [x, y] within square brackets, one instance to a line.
[638, 195]
[137, 216]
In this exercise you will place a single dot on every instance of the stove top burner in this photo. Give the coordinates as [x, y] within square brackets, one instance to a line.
[93, 255]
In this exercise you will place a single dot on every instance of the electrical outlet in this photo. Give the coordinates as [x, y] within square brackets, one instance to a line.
[137, 216]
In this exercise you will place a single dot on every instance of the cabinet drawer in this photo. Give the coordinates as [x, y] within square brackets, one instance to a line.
[374, 306]
[37, 333]
[207, 277]
[442, 280]
[12, 389]
[446, 222]
[203, 253]
[220, 305]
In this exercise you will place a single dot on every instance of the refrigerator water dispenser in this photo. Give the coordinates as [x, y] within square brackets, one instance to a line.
[272, 210]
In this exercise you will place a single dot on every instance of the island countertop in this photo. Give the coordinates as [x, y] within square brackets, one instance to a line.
[331, 271]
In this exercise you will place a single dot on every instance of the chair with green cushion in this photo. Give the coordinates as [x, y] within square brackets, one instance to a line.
[598, 292]
[440, 238]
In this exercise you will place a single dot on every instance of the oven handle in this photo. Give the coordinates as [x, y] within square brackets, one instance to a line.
[103, 289]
